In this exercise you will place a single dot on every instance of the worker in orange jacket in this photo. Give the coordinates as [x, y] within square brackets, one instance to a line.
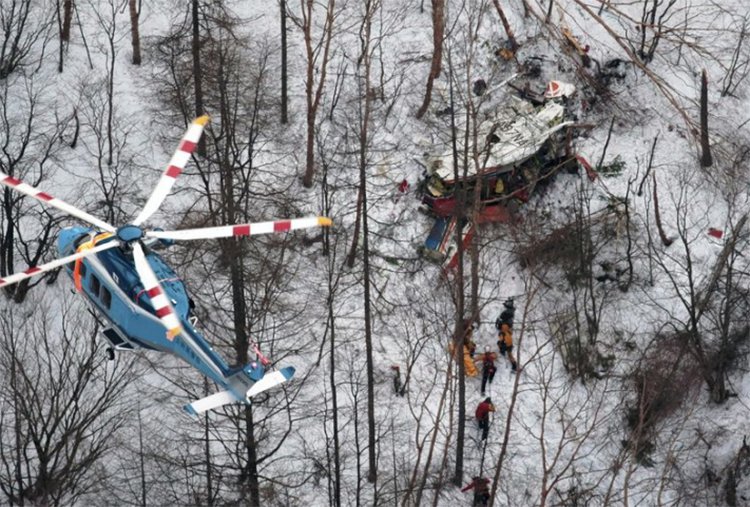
[469, 347]
[505, 344]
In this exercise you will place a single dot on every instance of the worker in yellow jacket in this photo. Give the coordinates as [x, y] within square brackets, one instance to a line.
[469, 347]
[505, 344]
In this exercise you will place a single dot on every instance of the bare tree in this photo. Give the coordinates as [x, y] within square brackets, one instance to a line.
[107, 19]
[739, 65]
[250, 281]
[63, 402]
[654, 18]
[572, 417]
[23, 25]
[371, 9]
[317, 52]
[27, 152]
[697, 293]
[112, 177]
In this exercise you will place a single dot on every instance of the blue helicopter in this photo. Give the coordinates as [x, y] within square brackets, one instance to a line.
[143, 302]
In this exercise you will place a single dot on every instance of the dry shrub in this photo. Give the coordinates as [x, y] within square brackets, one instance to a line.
[666, 377]
[573, 246]
[739, 469]
[560, 247]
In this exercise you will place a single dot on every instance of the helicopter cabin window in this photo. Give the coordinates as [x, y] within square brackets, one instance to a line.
[82, 270]
[94, 284]
[106, 297]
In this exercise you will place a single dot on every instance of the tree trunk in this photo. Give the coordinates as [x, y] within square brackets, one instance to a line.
[135, 37]
[706, 159]
[206, 450]
[352, 257]
[506, 26]
[334, 394]
[372, 474]
[458, 475]
[284, 84]
[67, 18]
[141, 459]
[111, 97]
[197, 76]
[664, 238]
[438, 29]
[61, 48]
[312, 92]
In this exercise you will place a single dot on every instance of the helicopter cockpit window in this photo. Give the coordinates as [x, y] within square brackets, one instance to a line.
[82, 270]
[94, 284]
[106, 297]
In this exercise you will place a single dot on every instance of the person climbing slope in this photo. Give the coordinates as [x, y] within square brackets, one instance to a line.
[504, 325]
[505, 344]
[481, 487]
[483, 416]
[487, 359]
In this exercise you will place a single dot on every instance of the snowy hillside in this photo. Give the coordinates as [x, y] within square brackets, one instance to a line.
[620, 243]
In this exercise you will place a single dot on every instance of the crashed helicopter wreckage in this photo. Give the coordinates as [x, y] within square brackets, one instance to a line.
[519, 148]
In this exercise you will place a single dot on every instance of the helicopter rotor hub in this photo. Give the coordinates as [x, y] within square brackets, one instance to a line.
[129, 233]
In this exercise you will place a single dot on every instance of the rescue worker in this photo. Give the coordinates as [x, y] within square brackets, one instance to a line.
[507, 314]
[505, 344]
[469, 337]
[469, 347]
[483, 416]
[481, 487]
[488, 367]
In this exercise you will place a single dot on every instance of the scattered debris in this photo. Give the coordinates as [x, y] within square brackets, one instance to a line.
[579, 48]
[716, 233]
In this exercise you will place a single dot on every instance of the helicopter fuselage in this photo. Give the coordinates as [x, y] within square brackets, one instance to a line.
[110, 284]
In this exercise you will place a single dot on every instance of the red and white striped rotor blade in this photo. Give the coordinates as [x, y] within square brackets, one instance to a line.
[159, 300]
[226, 231]
[38, 270]
[175, 167]
[37, 194]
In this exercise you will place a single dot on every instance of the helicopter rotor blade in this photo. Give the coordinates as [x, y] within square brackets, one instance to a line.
[176, 165]
[38, 270]
[37, 194]
[159, 300]
[227, 231]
